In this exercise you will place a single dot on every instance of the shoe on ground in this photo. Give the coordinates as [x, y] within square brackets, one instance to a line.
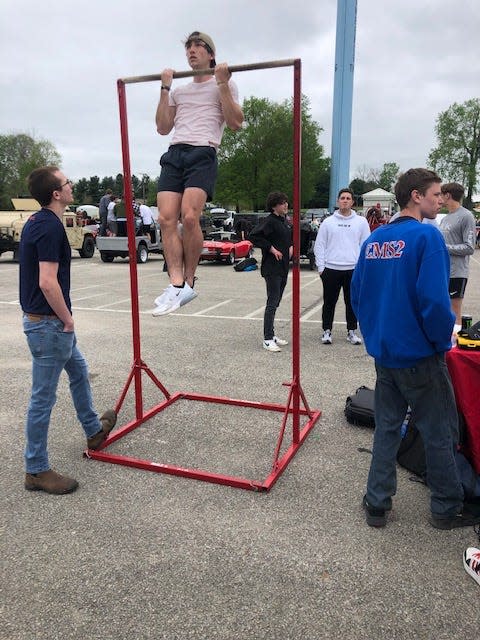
[375, 517]
[173, 298]
[353, 338]
[466, 518]
[280, 341]
[108, 421]
[327, 337]
[271, 345]
[471, 562]
[51, 482]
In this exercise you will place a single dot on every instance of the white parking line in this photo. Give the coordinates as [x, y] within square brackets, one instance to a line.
[312, 311]
[111, 304]
[312, 279]
[215, 306]
[256, 312]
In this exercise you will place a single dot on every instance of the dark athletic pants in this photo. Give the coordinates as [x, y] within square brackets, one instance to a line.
[333, 281]
[275, 286]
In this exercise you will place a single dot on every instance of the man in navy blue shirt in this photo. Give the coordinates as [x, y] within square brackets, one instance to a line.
[45, 256]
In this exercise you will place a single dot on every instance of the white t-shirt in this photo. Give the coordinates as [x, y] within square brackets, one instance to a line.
[111, 211]
[146, 214]
[199, 117]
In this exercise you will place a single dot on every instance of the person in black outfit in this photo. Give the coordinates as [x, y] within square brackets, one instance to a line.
[274, 237]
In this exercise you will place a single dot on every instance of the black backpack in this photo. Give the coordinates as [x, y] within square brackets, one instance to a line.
[247, 264]
[360, 408]
[411, 453]
[411, 456]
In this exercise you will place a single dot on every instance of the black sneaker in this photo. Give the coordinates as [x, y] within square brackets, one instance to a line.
[465, 518]
[375, 517]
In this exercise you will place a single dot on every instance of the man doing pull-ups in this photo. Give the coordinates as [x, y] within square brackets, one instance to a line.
[198, 113]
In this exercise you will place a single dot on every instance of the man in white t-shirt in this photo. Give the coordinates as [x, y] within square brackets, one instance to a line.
[146, 215]
[198, 112]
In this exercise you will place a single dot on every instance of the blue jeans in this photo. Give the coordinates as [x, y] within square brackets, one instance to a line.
[427, 389]
[275, 287]
[52, 351]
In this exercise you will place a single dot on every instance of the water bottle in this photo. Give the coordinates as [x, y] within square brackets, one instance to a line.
[405, 422]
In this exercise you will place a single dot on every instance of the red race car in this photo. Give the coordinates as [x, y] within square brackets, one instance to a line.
[224, 246]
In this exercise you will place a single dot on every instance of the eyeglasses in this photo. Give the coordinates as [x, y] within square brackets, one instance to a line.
[65, 184]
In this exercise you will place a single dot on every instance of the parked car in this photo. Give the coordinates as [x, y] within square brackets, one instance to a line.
[308, 236]
[225, 246]
[146, 242]
[81, 236]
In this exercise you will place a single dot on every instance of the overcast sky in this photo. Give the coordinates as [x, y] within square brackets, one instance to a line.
[59, 62]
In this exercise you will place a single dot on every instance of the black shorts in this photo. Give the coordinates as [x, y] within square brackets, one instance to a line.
[456, 287]
[185, 165]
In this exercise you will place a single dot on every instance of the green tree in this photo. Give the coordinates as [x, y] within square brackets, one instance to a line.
[388, 175]
[118, 185]
[80, 191]
[457, 154]
[151, 194]
[322, 188]
[94, 191]
[19, 155]
[108, 182]
[259, 157]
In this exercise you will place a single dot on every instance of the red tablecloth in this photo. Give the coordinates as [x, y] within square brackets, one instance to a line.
[464, 368]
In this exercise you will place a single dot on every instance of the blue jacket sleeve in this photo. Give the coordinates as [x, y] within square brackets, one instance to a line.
[434, 300]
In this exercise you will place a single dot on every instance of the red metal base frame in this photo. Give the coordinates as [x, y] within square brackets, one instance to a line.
[279, 463]
[296, 397]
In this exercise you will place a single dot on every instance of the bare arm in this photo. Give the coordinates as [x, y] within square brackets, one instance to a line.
[48, 283]
[165, 114]
[232, 112]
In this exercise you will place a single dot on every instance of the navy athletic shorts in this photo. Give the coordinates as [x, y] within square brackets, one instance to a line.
[185, 165]
[456, 287]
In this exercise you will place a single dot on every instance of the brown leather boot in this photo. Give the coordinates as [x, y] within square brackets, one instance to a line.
[108, 421]
[50, 481]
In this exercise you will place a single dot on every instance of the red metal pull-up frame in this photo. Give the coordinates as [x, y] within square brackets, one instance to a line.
[296, 396]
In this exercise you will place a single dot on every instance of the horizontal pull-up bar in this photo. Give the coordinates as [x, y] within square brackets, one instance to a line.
[205, 72]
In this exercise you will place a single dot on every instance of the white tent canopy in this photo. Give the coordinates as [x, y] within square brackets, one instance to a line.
[385, 198]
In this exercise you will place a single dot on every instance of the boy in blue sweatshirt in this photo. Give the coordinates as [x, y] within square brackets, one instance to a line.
[399, 293]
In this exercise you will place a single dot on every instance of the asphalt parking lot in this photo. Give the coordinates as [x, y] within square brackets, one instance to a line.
[139, 555]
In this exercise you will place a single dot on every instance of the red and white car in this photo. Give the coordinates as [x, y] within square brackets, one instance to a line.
[224, 246]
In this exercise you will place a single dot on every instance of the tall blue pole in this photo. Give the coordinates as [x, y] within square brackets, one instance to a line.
[342, 97]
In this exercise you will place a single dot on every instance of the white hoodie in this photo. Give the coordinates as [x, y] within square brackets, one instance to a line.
[339, 240]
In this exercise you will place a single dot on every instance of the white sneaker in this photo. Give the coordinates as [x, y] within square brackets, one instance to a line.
[280, 341]
[187, 294]
[271, 345]
[471, 562]
[327, 337]
[353, 338]
[172, 299]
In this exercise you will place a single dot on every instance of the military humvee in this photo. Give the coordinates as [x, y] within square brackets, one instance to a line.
[80, 236]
